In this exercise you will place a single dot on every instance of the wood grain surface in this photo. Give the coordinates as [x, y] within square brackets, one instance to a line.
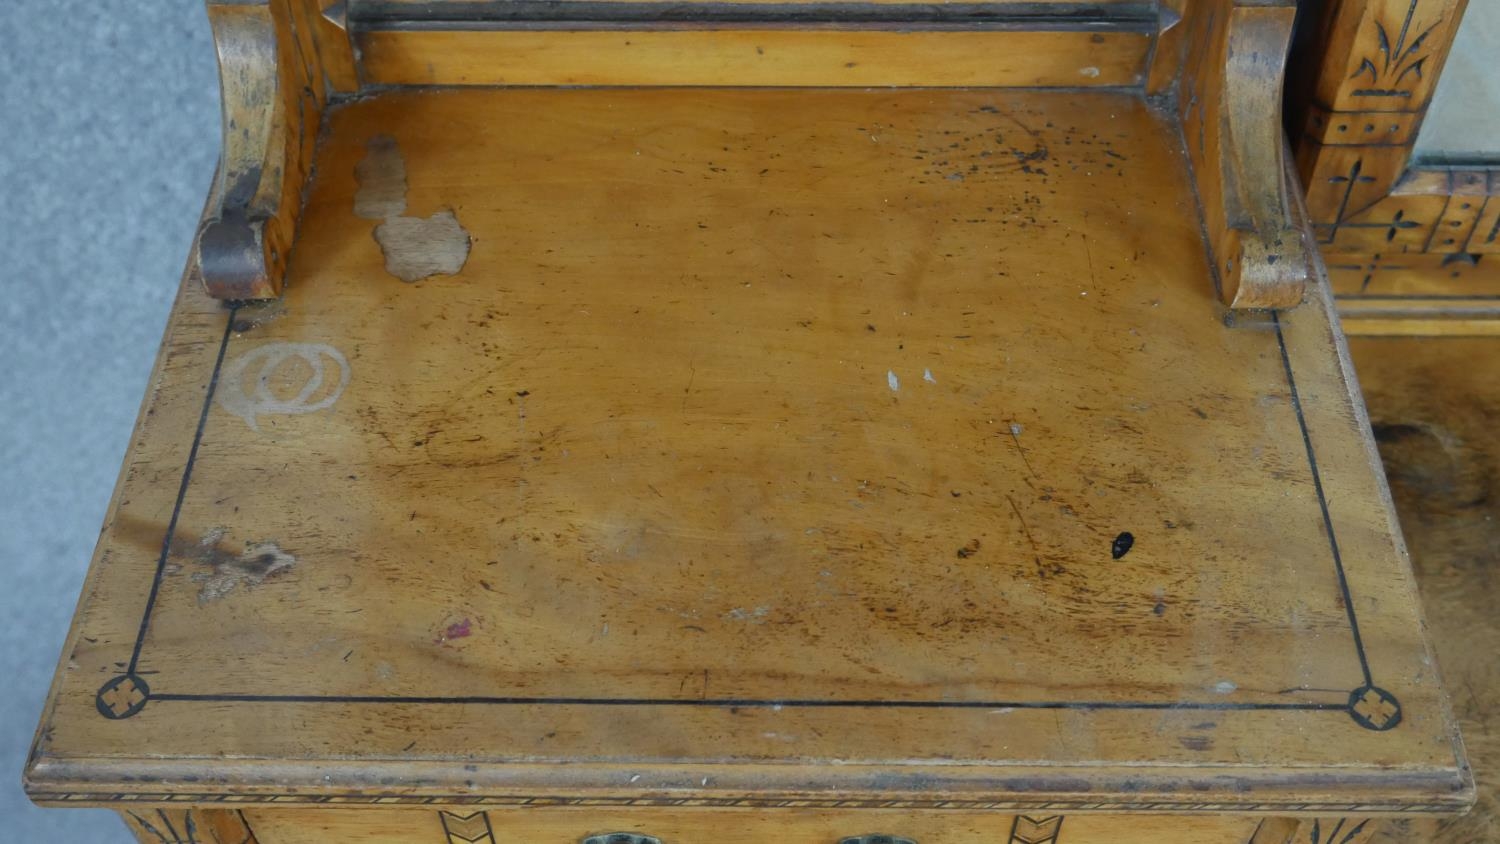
[766, 445]
[904, 56]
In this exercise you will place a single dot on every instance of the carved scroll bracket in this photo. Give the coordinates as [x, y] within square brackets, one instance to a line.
[272, 98]
[1231, 106]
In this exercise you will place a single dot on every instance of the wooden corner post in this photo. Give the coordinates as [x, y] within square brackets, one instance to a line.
[273, 86]
[1230, 102]
[1406, 238]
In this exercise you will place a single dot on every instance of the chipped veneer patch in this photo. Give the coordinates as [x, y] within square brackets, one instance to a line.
[226, 570]
[382, 180]
[414, 247]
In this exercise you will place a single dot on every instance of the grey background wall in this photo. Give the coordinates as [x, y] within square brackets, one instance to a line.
[1463, 124]
[108, 137]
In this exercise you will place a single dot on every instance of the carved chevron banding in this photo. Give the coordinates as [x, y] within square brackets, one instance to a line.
[1028, 830]
[471, 828]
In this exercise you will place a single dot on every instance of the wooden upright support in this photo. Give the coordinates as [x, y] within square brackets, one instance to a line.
[1230, 102]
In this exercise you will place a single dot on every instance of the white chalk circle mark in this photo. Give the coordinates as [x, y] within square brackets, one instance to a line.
[262, 363]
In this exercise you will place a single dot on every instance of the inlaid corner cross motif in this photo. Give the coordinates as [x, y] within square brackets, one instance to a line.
[1368, 269]
[1355, 177]
[122, 697]
[1350, 181]
[1374, 708]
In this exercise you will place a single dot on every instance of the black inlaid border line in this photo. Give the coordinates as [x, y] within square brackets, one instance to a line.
[1312, 461]
[758, 703]
[130, 680]
[187, 475]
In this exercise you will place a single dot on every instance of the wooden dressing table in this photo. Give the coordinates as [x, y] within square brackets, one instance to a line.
[632, 422]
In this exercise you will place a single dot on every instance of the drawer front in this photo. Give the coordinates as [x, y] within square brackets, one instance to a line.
[591, 826]
[319, 826]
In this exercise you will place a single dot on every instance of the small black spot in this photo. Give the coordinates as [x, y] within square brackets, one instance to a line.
[242, 325]
[523, 393]
[1122, 545]
[1160, 608]
[869, 327]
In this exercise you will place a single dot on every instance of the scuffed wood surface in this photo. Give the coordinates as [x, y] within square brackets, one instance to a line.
[769, 445]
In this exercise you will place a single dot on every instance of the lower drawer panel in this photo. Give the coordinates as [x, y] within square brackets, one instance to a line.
[721, 826]
[399, 826]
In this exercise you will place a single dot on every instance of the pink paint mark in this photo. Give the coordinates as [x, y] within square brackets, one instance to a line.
[456, 630]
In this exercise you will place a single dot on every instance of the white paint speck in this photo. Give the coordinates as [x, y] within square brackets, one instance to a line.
[1090, 71]
[893, 382]
[1224, 687]
[755, 616]
[1016, 429]
[927, 376]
